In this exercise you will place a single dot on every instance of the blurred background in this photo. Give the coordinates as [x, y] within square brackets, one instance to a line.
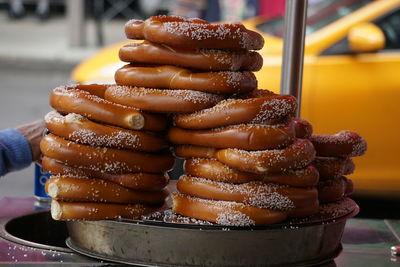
[351, 73]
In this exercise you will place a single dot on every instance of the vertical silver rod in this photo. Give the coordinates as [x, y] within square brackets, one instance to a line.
[76, 23]
[293, 49]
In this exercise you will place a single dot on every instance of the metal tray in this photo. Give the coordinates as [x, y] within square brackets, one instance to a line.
[150, 243]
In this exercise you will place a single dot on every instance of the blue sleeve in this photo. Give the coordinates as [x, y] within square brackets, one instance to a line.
[15, 151]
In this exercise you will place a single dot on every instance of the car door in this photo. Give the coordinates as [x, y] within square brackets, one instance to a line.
[361, 92]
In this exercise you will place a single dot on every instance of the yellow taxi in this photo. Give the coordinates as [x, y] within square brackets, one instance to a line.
[351, 79]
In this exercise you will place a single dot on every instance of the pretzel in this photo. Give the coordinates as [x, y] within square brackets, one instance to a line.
[305, 211]
[336, 209]
[161, 100]
[81, 100]
[171, 77]
[334, 189]
[303, 128]
[67, 211]
[257, 194]
[296, 156]
[214, 170]
[93, 89]
[196, 33]
[104, 159]
[331, 167]
[224, 212]
[68, 188]
[257, 93]
[189, 151]
[342, 144]
[77, 128]
[264, 110]
[246, 136]
[202, 59]
[137, 181]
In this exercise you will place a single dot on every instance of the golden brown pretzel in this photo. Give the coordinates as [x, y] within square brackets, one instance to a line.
[264, 110]
[224, 212]
[212, 169]
[104, 159]
[331, 167]
[96, 190]
[171, 77]
[97, 211]
[342, 144]
[189, 151]
[257, 194]
[161, 100]
[244, 136]
[77, 128]
[93, 89]
[334, 189]
[202, 59]
[81, 100]
[137, 181]
[296, 156]
[303, 128]
[197, 33]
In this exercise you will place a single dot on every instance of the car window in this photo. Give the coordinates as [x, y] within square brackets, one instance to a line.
[340, 48]
[320, 13]
[389, 24]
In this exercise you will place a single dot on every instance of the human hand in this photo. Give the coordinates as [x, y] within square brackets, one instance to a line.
[33, 133]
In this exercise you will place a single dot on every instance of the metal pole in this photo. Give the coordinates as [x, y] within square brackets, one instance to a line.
[76, 23]
[293, 49]
[98, 7]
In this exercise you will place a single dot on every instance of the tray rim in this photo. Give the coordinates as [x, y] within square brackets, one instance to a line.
[70, 243]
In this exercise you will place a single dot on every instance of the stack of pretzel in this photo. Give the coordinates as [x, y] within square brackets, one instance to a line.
[107, 160]
[334, 161]
[231, 133]
[247, 160]
[249, 172]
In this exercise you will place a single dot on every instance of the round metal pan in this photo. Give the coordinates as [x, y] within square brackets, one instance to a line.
[149, 243]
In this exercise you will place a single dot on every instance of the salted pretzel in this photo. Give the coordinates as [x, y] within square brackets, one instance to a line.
[137, 181]
[342, 144]
[93, 89]
[67, 211]
[79, 129]
[161, 100]
[263, 110]
[172, 77]
[244, 136]
[331, 167]
[104, 159]
[195, 33]
[68, 188]
[296, 156]
[225, 212]
[202, 59]
[257, 194]
[80, 99]
[303, 128]
[214, 170]
[190, 151]
[334, 189]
